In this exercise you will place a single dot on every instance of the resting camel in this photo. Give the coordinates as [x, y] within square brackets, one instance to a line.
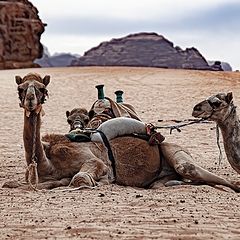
[77, 118]
[61, 162]
[220, 108]
[102, 110]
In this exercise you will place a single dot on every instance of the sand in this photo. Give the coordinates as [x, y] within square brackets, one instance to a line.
[119, 212]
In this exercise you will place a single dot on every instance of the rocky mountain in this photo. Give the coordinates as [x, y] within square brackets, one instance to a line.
[220, 66]
[142, 50]
[56, 60]
[20, 32]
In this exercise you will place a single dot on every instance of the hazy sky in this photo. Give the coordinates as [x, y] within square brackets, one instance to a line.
[212, 26]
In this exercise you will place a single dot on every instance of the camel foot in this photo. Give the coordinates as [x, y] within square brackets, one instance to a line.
[12, 184]
[173, 183]
[83, 179]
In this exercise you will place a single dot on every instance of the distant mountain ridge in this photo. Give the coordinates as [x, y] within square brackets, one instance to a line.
[142, 50]
[139, 50]
[56, 60]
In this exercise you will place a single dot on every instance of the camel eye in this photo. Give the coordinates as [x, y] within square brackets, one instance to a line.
[42, 90]
[215, 104]
[20, 90]
[21, 93]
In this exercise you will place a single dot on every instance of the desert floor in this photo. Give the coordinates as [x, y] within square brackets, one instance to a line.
[119, 212]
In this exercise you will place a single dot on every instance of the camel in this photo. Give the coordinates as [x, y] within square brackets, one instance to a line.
[220, 108]
[102, 110]
[77, 118]
[60, 162]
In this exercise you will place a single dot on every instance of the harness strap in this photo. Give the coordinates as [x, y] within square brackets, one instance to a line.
[110, 153]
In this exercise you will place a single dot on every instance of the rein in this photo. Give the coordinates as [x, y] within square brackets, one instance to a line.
[177, 127]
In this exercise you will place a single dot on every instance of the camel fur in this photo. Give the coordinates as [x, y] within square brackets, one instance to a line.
[221, 109]
[61, 162]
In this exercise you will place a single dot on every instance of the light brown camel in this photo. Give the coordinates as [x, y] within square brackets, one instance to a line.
[102, 110]
[61, 162]
[77, 118]
[80, 118]
[220, 108]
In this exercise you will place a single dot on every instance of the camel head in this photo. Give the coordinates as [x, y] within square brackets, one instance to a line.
[32, 91]
[77, 118]
[217, 107]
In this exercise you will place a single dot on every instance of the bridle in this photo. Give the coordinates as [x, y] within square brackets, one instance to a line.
[22, 98]
[219, 109]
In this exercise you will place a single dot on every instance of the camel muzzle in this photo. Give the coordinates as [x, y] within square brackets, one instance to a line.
[77, 125]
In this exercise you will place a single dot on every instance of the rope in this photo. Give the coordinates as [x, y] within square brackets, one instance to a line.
[218, 132]
[32, 174]
[218, 144]
[177, 127]
[73, 189]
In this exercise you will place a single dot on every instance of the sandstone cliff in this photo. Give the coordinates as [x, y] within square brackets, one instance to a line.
[20, 32]
[142, 49]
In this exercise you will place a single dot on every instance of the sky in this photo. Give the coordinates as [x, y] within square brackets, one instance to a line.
[75, 26]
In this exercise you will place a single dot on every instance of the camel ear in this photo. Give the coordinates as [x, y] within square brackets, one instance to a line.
[46, 80]
[67, 113]
[229, 97]
[18, 80]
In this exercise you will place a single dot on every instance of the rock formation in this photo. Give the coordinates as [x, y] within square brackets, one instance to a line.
[55, 60]
[20, 32]
[145, 50]
[219, 66]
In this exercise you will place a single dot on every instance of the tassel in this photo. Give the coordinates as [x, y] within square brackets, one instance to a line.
[32, 175]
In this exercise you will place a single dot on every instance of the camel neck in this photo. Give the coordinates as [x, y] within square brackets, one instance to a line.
[28, 137]
[230, 129]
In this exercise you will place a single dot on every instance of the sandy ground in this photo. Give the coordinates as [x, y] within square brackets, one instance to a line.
[117, 212]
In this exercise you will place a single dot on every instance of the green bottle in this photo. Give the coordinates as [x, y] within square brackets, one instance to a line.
[119, 97]
[102, 103]
[100, 91]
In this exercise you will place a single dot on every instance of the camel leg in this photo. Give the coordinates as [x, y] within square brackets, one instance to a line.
[42, 185]
[91, 173]
[54, 183]
[183, 164]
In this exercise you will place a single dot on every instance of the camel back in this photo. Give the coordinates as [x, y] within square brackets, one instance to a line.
[114, 110]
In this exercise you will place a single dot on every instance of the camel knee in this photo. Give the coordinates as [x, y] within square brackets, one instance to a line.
[96, 168]
[83, 179]
[187, 170]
